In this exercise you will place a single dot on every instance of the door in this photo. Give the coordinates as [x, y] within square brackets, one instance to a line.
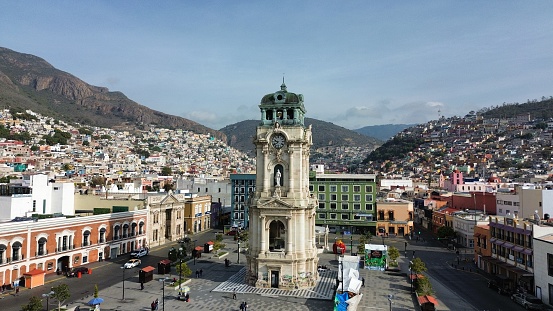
[274, 279]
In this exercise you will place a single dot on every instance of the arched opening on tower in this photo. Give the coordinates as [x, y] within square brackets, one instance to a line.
[279, 175]
[277, 236]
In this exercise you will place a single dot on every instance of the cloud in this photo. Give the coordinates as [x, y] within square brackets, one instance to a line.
[219, 119]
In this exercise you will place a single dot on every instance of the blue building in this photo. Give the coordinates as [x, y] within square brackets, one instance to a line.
[242, 186]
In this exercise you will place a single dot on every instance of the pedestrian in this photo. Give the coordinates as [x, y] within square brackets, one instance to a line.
[234, 293]
[157, 304]
[201, 272]
[242, 306]
[153, 305]
[141, 285]
[362, 282]
[17, 291]
[245, 306]
[197, 274]
[77, 308]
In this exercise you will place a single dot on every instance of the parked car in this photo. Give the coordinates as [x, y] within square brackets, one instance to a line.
[232, 232]
[529, 302]
[132, 263]
[75, 271]
[139, 253]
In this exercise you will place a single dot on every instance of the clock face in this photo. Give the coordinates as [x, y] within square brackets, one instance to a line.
[278, 141]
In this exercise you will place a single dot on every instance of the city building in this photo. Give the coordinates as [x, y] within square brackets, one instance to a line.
[66, 242]
[242, 187]
[543, 263]
[282, 251]
[395, 217]
[346, 201]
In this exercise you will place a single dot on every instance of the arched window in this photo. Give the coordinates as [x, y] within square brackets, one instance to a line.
[125, 230]
[3, 253]
[277, 235]
[102, 235]
[133, 229]
[86, 238]
[41, 249]
[16, 251]
[141, 228]
[117, 232]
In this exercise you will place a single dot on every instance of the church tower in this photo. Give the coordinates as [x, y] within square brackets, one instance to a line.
[282, 251]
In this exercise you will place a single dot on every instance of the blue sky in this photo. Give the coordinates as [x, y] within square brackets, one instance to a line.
[357, 63]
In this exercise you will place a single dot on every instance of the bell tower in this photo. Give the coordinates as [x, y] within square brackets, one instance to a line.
[282, 250]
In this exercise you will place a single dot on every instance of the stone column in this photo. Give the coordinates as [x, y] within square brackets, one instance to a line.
[263, 247]
[289, 235]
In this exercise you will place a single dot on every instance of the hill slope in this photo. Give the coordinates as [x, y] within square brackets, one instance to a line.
[29, 82]
[383, 132]
[325, 134]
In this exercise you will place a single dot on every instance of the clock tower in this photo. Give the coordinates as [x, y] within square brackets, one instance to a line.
[282, 251]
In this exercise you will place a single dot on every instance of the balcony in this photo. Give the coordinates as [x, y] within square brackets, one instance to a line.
[41, 253]
[65, 248]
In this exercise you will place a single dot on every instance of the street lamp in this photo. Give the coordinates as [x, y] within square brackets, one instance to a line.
[181, 253]
[238, 250]
[351, 243]
[194, 252]
[382, 239]
[341, 264]
[390, 296]
[163, 292]
[411, 276]
[48, 299]
[123, 298]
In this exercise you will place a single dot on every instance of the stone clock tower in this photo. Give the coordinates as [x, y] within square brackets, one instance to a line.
[282, 252]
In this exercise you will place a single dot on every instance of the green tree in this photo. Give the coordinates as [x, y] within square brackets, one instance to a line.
[166, 171]
[363, 239]
[445, 232]
[183, 267]
[173, 254]
[393, 253]
[418, 266]
[61, 294]
[423, 286]
[35, 304]
[35, 148]
[95, 290]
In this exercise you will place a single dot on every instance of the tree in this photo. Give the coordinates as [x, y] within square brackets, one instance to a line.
[61, 294]
[95, 290]
[364, 239]
[35, 304]
[445, 232]
[183, 267]
[418, 266]
[166, 171]
[172, 254]
[393, 253]
[423, 286]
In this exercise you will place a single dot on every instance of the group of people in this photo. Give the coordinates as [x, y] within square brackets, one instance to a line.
[155, 304]
[199, 273]
[244, 306]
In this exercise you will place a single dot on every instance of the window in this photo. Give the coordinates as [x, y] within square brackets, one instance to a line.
[321, 188]
[311, 188]
[356, 188]
[332, 216]
[345, 216]
[155, 235]
[345, 205]
[333, 188]
[85, 259]
[333, 205]
[549, 264]
[322, 216]
[345, 188]
[2, 253]
[333, 197]
[368, 197]
[368, 188]
[345, 197]
[356, 217]
[322, 205]
[16, 251]
[86, 238]
[356, 197]
[369, 206]
[41, 247]
[103, 235]
[321, 196]
[357, 206]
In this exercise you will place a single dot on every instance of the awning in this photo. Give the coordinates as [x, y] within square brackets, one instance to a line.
[518, 248]
[508, 245]
[493, 240]
[498, 242]
[210, 243]
[527, 251]
[165, 262]
[148, 269]
[427, 299]
[199, 248]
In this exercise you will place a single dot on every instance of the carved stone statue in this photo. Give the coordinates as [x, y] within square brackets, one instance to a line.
[278, 176]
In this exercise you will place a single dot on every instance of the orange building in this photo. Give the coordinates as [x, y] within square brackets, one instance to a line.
[62, 242]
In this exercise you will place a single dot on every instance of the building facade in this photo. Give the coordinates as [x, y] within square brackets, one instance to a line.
[242, 187]
[346, 202]
[62, 243]
[282, 252]
[395, 217]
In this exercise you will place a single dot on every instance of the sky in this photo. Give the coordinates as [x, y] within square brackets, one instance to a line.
[357, 63]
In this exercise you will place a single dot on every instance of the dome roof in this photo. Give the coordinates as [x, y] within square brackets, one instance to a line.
[282, 97]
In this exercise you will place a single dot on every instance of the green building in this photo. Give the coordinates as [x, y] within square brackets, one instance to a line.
[346, 201]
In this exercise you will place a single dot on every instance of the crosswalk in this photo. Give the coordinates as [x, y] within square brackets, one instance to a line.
[324, 289]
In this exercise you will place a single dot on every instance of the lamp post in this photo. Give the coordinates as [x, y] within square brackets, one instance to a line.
[123, 298]
[48, 299]
[341, 264]
[239, 250]
[351, 243]
[194, 252]
[411, 274]
[181, 253]
[390, 296]
[405, 249]
[382, 239]
[163, 292]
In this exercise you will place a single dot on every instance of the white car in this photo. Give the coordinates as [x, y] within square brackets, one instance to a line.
[139, 253]
[132, 263]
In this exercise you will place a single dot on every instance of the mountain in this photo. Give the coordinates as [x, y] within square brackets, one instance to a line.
[325, 134]
[383, 132]
[29, 82]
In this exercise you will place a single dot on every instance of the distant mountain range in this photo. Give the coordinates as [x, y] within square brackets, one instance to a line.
[29, 82]
[240, 135]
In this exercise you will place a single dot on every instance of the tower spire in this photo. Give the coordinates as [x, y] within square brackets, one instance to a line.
[283, 86]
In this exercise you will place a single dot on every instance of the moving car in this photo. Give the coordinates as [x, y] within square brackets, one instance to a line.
[75, 271]
[139, 253]
[132, 263]
[529, 302]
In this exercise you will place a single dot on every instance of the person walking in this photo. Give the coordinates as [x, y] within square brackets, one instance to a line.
[141, 285]
[197, 274]
[245, 306]
[201, 272]
[234, 293]
[242, 306]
